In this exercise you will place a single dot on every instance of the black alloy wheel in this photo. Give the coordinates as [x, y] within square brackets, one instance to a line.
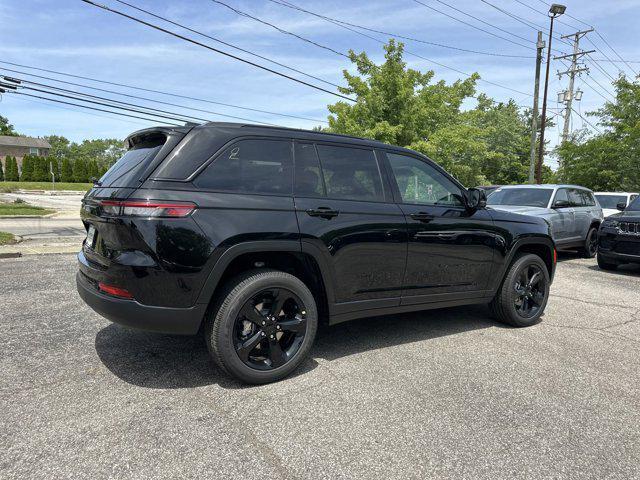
[523, 295]
[262, 326]
[591, 244]
[530, 287]
[270, 329]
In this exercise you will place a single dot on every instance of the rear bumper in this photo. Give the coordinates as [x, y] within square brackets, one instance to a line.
[180, 321]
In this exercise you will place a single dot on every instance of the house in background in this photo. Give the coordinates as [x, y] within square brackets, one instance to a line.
[20, 146]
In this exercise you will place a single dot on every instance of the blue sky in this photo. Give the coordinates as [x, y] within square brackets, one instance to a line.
[73, 37]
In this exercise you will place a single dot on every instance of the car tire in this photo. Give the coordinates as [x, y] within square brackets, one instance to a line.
[509, 306]
[604, 265]
[224, 339]
[590, 247]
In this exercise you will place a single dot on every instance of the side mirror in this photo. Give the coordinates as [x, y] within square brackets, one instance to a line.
[560, 204]
[475, 199]
[621, 206]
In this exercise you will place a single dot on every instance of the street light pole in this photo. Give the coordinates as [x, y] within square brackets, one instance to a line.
[555, 11]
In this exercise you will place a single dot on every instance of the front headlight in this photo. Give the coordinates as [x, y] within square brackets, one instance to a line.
[610, 223]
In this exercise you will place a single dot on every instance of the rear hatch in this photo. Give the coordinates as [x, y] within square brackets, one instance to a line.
[107, 235]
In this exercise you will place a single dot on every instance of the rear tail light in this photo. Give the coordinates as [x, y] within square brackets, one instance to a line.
[147, 208]
[115, 291]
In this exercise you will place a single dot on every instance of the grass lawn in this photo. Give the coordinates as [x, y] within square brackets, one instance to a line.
[7, 187]
[13, 209]
[7, 238]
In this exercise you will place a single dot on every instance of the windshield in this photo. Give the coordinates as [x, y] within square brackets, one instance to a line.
[526, 197]
[124, 171]
[611, 201]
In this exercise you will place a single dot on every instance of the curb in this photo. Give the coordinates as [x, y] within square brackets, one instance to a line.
[48, 215]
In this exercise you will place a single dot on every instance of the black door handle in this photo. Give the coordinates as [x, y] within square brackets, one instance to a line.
[422, 217]
[322, 212]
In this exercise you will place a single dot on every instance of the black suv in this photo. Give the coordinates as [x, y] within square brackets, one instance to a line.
[253, 235]
[619, 237]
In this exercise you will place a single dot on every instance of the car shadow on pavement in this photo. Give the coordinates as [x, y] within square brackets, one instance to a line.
[153, 360]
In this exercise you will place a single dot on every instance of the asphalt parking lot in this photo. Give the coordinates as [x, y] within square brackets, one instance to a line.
[446, 394]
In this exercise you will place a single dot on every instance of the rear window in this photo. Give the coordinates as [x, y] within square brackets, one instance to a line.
[524, 197]
[125, 171]
[251, 166]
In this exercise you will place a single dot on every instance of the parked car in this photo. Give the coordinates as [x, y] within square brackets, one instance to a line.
[253, 235]
[572, 212]
[614, 202]
[619, 238]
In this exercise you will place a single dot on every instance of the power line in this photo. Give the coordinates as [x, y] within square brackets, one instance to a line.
[76, 111]
[616, 52]
[475, 26]
[395, 35]
[231, 45]
[91, 108]
[213, 49]
[131, 96]
[127, 107]
[279, 29]
[149, 90]
[339, 24]
[587, 121]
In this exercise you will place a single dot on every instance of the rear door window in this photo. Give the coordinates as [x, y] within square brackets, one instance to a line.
[251, 166]
[577, 198]
[308, 178]
[125, 172]
[350, 173]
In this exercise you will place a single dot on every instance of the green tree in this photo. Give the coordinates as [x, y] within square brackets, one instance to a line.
[395, 104]
[41, 169]
[608, 160]
[6, 128]
[28, 169]
[92, 170]
[2, 172]
[12, 174]
[80, 171]
[60, 146]
[66, 172]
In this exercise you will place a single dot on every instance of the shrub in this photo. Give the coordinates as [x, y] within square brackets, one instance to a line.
[12, 169]
[1, 173]
[66, 173]
[80, 173]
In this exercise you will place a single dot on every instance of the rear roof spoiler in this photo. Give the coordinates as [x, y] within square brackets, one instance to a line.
[135, 137]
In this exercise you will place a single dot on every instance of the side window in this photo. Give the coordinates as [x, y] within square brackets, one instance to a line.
[308, 178]
[250, 166]
[562, 197]
[350, 173]
[576, 198]
[420, 182]
[589, 199]
[632, 198]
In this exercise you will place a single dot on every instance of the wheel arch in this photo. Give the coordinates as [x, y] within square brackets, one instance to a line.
[543, 247]
[286, 255]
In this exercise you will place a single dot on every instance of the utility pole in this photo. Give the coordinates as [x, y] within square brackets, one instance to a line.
[534, 117]
[568, 96]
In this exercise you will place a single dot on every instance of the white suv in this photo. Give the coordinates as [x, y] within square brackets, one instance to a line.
[614, 202]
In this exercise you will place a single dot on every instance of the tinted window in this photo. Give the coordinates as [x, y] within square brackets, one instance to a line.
[124, 171]
[611, 201]
[576, 198]
[250, 166]
[350, 173]
[561, 196]
[420, 182]
[308, 180]
[525, 197]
